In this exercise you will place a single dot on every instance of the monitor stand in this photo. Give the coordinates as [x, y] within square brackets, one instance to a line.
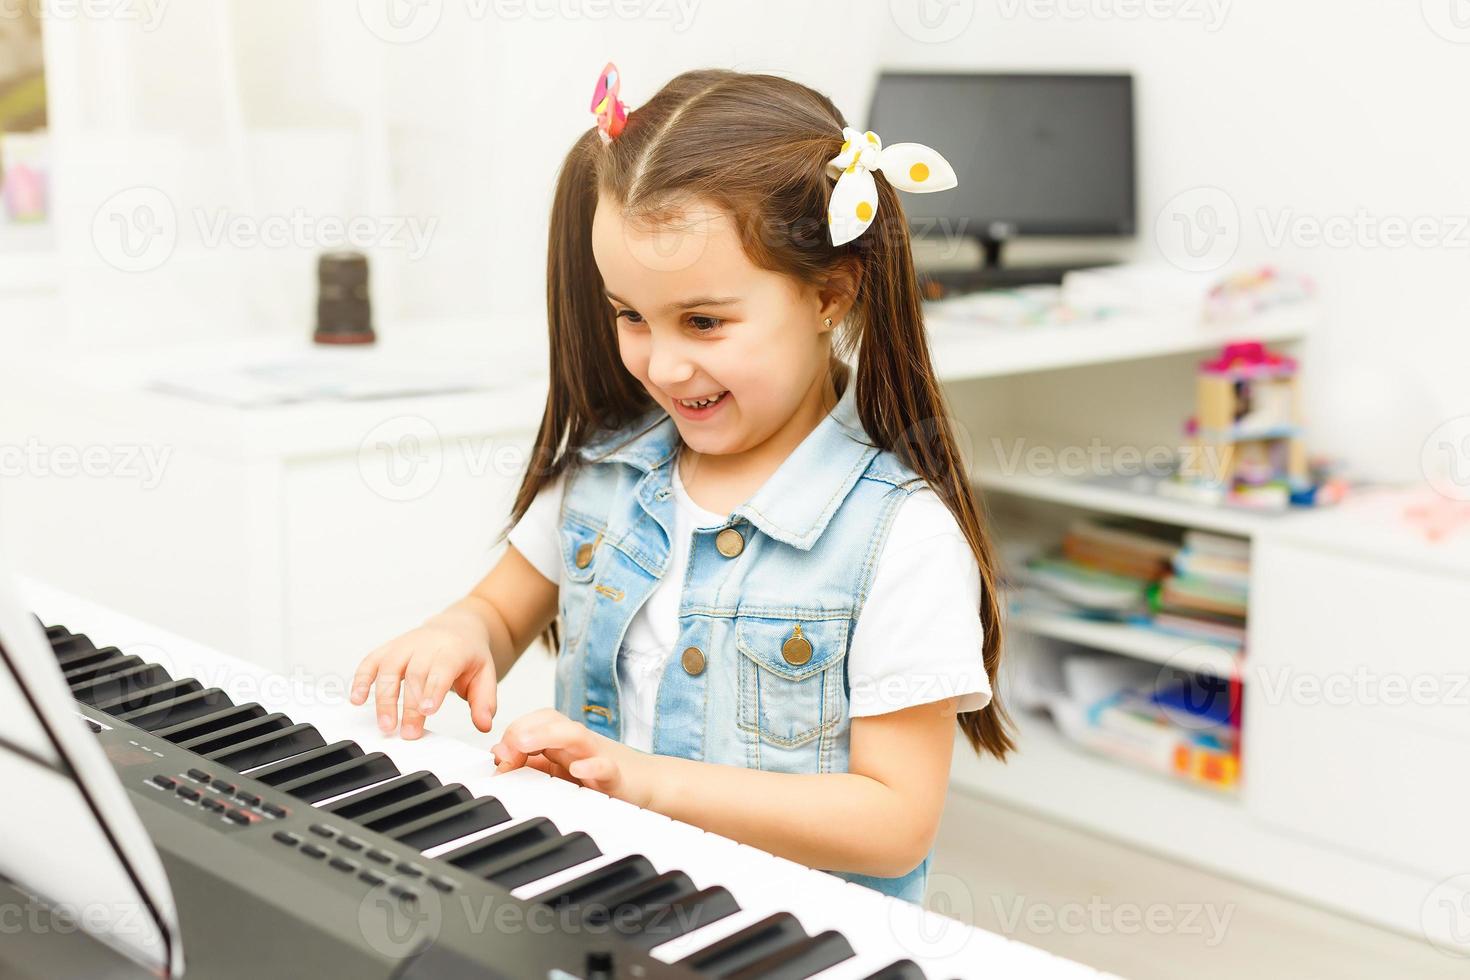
[993, 274]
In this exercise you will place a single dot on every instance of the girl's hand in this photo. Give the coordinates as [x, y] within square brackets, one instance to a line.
[550, 741]
[451, 651]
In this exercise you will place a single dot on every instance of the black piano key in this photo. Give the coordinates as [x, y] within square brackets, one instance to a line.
[393, 791]
[264, 749]
[234, 735]
[739, 950]
[341, 778]
[101, 668]
[165, 713]
[306, 763]
[594, 888]
[902, 970]
[799, 961]
[71, 651]
[148, 695]
[214, 721]
[491, 850]
[540, 860]
[656, 922]
[458, 821]
[414, 808]
[112, 686]
[54, 633]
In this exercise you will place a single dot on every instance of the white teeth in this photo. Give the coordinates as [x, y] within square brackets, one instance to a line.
[702, 402]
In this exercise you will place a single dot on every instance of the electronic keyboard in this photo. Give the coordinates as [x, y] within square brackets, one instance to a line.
[300, 840]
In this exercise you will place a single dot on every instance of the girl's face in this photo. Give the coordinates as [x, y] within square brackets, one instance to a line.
[695, 319]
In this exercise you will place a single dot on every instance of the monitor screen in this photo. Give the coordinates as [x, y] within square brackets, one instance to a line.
[1035, 154]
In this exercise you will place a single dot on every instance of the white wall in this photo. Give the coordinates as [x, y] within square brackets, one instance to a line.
[1305, 109]
[1309, 111]
[251, 111]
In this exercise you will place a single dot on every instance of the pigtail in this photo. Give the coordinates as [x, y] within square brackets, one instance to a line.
[903, 409]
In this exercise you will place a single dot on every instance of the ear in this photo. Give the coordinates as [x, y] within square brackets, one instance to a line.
[838, 293]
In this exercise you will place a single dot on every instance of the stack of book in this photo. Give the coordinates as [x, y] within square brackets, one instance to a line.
[1205, 594]
[1104, 570]
[1129, 572]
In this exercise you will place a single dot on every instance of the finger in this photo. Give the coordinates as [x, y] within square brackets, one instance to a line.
[413, 688]
[386, 690]
[596, 772]
[507, 758]
[362, 680]
[547, 729]
[482, 697]
[435, 686]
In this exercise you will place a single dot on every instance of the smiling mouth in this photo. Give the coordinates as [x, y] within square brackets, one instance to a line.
[701, 402]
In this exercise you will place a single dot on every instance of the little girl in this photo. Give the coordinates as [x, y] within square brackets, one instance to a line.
[765, 573]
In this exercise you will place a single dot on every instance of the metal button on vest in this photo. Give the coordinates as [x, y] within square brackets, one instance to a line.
[584, 554]
[797, 649]
[693, 661]
[729, 542]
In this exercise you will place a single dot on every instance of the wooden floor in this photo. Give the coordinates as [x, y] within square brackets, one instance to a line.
[1139, 916]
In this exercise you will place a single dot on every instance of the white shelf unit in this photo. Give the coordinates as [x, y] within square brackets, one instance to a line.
[964, 349]
[1051, 775]
[1138, 642]
[1082, 494]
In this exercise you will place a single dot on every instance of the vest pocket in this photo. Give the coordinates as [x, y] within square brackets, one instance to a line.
[790, 676]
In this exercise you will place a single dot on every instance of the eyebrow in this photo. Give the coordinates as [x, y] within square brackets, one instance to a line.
[687, 304]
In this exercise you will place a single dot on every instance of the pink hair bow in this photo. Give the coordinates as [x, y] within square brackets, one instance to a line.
[611, 113]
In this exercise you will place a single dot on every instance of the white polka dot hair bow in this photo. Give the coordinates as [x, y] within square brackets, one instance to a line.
[907, 166]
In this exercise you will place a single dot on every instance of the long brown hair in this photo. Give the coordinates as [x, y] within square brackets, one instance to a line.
[756, 146]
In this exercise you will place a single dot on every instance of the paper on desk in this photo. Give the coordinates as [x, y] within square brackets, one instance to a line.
[311, 379]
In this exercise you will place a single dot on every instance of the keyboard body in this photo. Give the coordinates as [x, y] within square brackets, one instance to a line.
[300, 841]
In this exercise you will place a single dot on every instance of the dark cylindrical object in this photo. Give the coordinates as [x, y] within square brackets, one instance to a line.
[344, 312]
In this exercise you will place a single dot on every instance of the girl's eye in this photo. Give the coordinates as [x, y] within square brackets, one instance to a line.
[631, 316]
[705, 324]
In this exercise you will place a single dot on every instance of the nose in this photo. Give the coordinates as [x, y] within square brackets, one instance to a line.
[668, 364]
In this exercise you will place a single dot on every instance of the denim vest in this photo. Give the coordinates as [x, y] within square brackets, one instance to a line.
[741, 687]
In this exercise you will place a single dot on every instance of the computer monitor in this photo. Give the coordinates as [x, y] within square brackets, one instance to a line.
[1035, 154]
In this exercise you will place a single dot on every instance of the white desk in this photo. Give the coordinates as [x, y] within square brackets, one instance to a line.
[300, 535]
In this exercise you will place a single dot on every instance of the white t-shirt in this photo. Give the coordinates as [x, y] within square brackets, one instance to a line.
[917, 638]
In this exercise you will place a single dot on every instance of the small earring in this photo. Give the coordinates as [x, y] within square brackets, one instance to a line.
[827, 320]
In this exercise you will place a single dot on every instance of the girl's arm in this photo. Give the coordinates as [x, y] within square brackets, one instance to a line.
[879, 818]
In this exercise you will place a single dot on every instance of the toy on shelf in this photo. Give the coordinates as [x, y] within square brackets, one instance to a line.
[1249, 293]
[1245, 438]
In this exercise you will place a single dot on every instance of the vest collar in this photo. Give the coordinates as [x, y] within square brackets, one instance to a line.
[798, 501]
